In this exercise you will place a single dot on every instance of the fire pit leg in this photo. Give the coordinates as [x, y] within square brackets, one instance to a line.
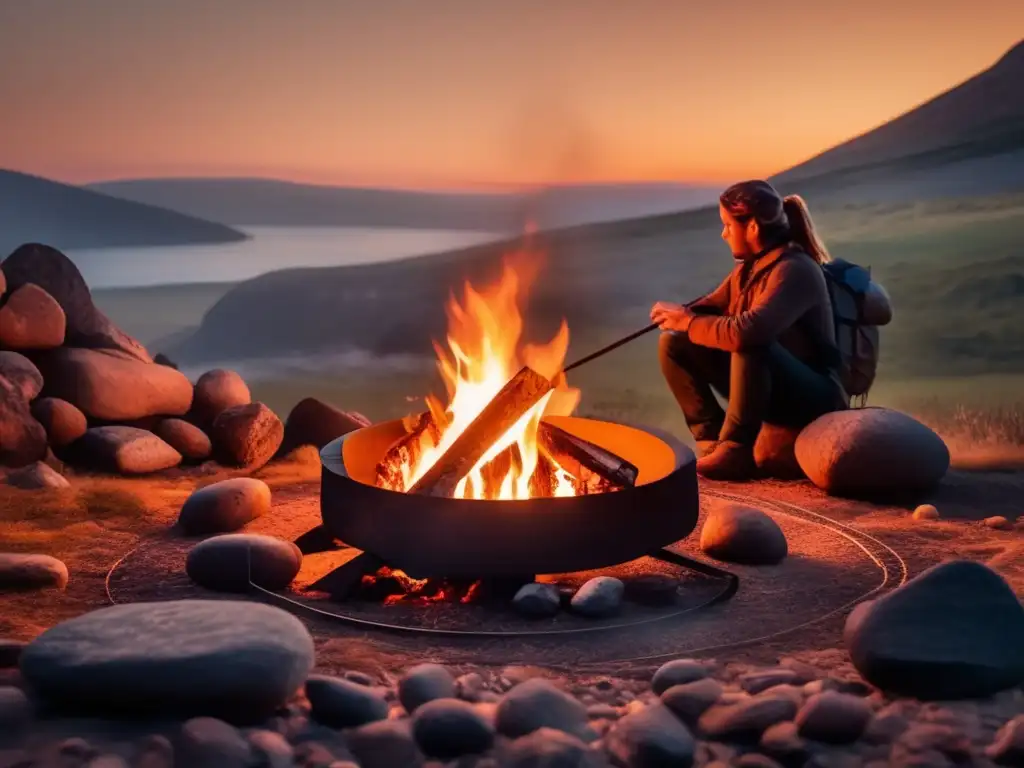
[340, 582]
[318, 540]
[674, 558]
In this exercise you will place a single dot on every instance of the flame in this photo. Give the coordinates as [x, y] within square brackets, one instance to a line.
[484, 353]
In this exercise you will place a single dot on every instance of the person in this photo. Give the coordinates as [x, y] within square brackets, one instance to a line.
[764, 339]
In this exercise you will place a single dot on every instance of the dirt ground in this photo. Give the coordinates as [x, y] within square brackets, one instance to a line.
[91, 526]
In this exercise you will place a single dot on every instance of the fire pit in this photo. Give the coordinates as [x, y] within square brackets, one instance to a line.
[429, 536]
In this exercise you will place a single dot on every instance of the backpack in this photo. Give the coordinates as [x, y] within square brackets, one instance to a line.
[860, 306]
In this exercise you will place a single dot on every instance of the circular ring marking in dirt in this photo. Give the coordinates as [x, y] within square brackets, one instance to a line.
[831, 567]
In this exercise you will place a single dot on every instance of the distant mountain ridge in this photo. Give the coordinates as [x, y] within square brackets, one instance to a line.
[968, 139]
[271, 202]
[34, 209]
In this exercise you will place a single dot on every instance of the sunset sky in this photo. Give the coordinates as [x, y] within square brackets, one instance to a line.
[452, 92]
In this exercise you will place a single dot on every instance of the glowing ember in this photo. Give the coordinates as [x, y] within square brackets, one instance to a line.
[484, 353]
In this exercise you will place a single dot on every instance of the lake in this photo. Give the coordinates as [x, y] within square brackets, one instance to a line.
[269, 249]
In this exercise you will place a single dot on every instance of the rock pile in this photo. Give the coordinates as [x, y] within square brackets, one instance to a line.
[233, 685]
[76, 389]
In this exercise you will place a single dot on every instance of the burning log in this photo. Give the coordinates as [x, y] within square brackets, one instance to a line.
[405, 451]
[518, 396]
[579, 457]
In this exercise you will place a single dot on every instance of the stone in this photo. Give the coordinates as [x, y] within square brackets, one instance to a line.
[537, 600]
[154, 751]
[22, 438]
[123, 450]
[691, 700]
[187, 439]
[224, 506]
[205, 742]
[313, 422]
[31, 319]
[38, 476]
[15, 709]
[227, 562]
[548, 748]
[55, 273]
[423, 683]
[63, 422]
[1008, 746]
[385, 744]
[738, 534]
[783, 741]
[763, 679]
[746, 720]
[449, 728]
[246, 436]
[470, 686]
[536, 703]
[873, 453]
[24, 572]
[833, 718]
[677, 672]
[775, 452]
[22, 373]
[997, 523]
[926, 512]
[179, 657]
[272, 749]
[339, 703]
[599, 597]
[954, 631]
[651, 738]
[109, 387]
[215, 392]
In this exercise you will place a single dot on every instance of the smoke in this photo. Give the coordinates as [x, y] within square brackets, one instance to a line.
[552, 140]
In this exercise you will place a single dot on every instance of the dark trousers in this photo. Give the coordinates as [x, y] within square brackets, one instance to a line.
[768, 384]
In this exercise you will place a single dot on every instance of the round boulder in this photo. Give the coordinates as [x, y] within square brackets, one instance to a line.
[22, 438]
[312, 422]
[599, 597]
[536, 703]
[651, 736]
[22, 373]
[775, 452]
[63, 422]
[56, 274]
[423, 683]
[246, 436]
[448, 728]
[124, 451]
[235, 660]
[31, 319]
[227, 562]
[537, 600]
[955, 631]
[187, 439]
[111, 386]
[37, 476]
[872, 453]
[738, 534]
[30, 572]
[215, 392]
[339, 703]
[224, 506]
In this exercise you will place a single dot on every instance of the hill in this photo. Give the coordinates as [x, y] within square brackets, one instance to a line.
[966, 141]
[34, 209]
[268, 202]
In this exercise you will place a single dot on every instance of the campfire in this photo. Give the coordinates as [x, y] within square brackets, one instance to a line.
[491, 440]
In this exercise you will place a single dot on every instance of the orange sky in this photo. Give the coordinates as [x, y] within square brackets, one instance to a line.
[453, 91]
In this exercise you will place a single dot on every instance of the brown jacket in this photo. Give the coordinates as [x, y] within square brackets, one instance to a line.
[781, 296]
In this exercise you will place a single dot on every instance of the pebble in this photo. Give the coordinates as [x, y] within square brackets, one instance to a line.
[361, 678]
[651, 738]
[272, 749]
[536, 703]
[537, 600]
[26, 572]
[385, 744]
[834, 718]
[1008, 746]
[926, 512]
[224, 507]
[998, 523]
[339, 703]
[757, 682]
[691, 700]
[423, 683]
[470, 687]
[739, 534]
[449, 728]
[205, 742]
[746, 720]
[15, 708]
[677, 672]
[783, 741]
[599, 597]
[227, 563]
[547, 748]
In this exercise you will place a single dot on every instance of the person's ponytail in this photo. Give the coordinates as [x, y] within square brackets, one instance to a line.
[801, 228]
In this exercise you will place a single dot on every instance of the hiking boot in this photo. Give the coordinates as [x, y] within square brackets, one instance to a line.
[705, 448]
[728, 461]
